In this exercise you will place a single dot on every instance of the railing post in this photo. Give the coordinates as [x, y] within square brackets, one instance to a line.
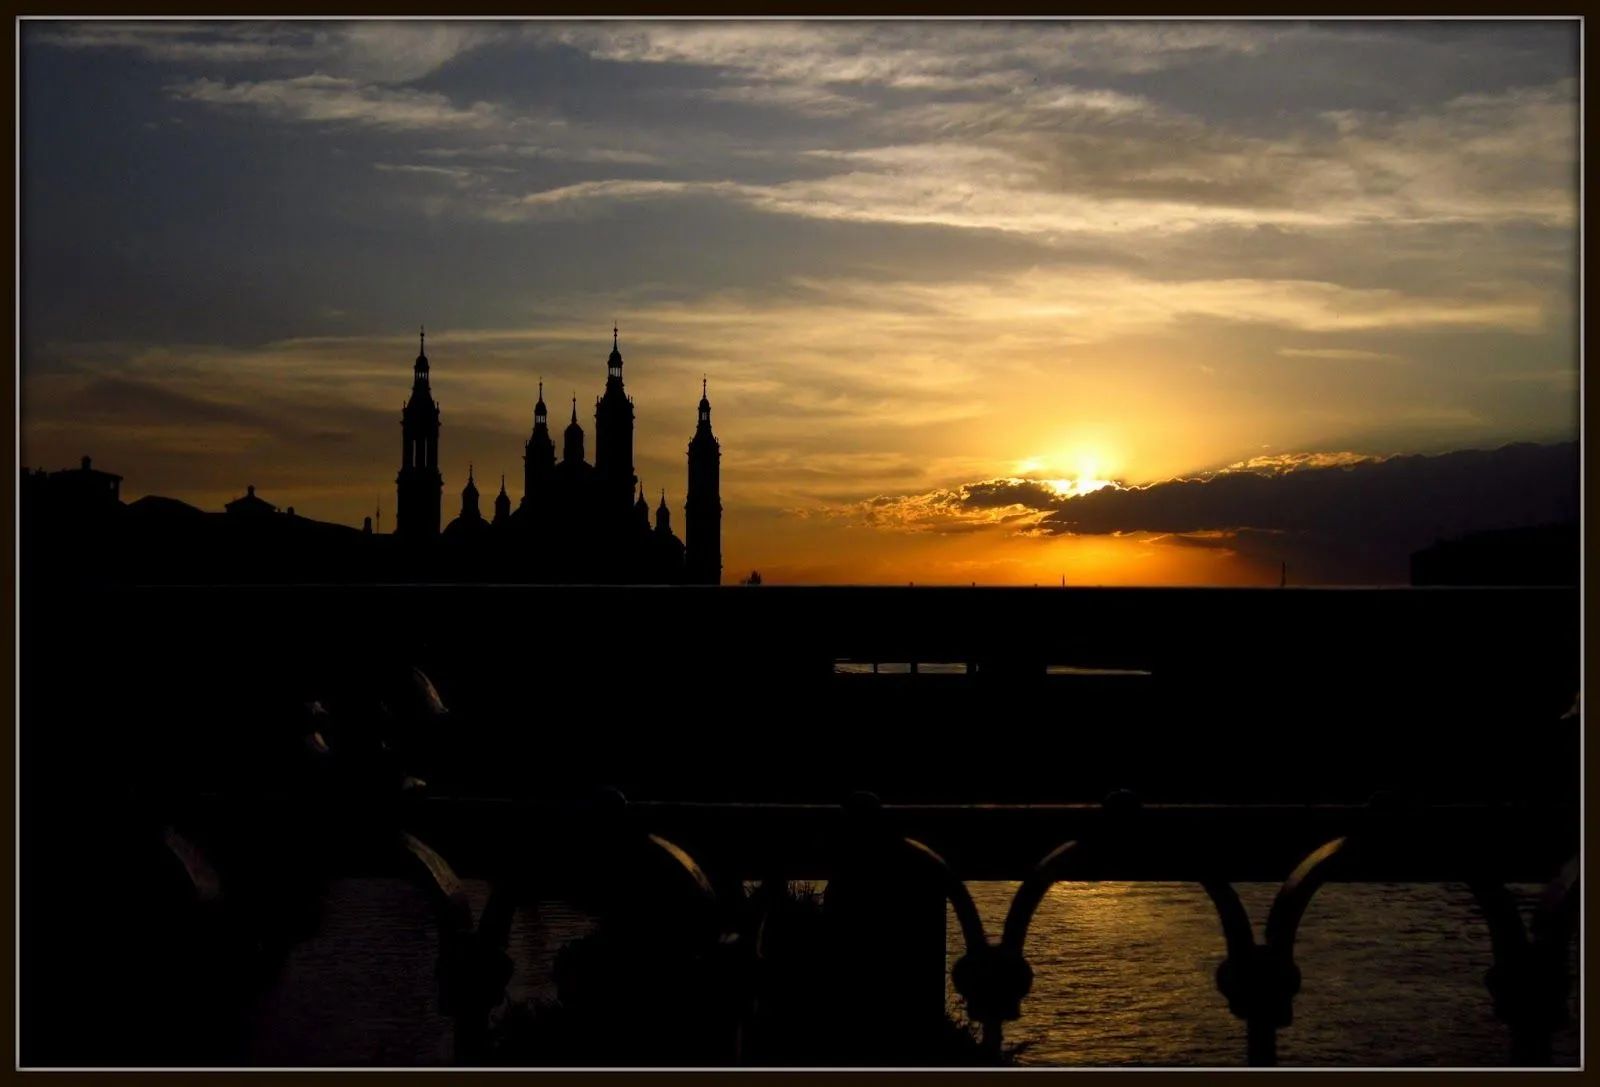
[473, 972]
[885, 914]
[994, 978]
[1529, 979]
[668, 969]
[1260, 982]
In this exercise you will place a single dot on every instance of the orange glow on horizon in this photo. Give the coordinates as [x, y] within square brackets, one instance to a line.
[1001, 557]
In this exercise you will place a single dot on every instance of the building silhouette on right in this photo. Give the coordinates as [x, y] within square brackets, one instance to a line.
[1532, 555]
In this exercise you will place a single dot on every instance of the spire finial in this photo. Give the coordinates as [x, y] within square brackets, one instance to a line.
[502, 483]
[574, 407]
[422, 338]
[469, 471]
[613, 335]
[541, 388]
[702, 386]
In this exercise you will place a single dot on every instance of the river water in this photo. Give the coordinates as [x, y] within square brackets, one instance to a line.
[1123, 975]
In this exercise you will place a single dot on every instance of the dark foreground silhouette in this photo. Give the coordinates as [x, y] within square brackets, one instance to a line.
[197, 763]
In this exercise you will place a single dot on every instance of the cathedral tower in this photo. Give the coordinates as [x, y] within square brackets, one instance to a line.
[613, 439]
[420, 486]
[702, 508]
[572, 444]
[502, 504]
[538, 455]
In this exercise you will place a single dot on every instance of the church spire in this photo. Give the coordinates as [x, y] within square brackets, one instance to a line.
[502, 503]
[663, 515]
[572, 448]
[614, 361]
[420, 375]
[469, 498]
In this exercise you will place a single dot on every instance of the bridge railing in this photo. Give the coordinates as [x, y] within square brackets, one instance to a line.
[681, 871]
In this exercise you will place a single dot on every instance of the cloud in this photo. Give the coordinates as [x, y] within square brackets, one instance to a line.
[607, 155]
[991, 127]
[1088, 305]
[1021, 166]
[1152, 178]
[804, 100]
[1346, 515]
[604, 190]
[1342, 354]
[1278, 463]
[332, 100]
[385, 52]
[179, 42]
[909, 56]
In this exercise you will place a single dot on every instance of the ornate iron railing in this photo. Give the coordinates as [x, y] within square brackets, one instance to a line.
[892, 870]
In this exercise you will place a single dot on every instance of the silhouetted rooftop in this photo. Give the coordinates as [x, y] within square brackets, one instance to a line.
[155, 505]
[250, 504]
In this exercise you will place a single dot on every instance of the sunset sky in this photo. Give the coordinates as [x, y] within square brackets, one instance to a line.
[944, 278]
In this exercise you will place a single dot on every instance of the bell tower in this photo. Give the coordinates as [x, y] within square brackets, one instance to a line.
[538, 456]
[613, 439]
[702, 507]
[419, 485]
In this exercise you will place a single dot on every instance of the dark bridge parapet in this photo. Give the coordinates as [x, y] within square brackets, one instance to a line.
[1166, 628]
[1241, 843]
[1252, 694]
[1177, 842]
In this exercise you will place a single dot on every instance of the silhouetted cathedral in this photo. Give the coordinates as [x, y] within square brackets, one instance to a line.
[575, 521]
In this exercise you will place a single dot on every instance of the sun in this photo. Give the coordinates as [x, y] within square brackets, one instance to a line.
[1084, 476]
